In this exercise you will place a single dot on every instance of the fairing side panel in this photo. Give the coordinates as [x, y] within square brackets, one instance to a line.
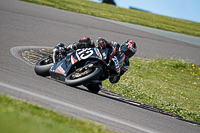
[59, 70]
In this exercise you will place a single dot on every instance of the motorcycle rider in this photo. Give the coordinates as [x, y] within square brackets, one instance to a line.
[128, 47]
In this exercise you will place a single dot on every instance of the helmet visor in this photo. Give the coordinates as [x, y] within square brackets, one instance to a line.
[128, 53]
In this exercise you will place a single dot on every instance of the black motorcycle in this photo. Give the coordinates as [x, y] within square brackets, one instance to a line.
[82, 66]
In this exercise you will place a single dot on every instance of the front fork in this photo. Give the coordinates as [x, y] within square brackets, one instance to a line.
[55, 51]
[58, 54]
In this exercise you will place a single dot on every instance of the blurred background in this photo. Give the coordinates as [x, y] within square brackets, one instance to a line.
[181, 9]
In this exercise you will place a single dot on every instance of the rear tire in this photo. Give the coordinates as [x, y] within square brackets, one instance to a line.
[83, 80]
[94, 87]
[41, 69]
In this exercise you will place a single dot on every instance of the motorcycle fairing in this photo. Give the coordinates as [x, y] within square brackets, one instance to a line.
[59, 70]
[87, 53]
[82, 54]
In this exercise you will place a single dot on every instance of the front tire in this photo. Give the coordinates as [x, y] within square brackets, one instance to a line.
[82, 80]
[42, 69]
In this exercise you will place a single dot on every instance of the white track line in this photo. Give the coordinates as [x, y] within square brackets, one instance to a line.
[138, 127]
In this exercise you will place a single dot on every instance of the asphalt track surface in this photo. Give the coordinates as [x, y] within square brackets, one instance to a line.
[25, 24]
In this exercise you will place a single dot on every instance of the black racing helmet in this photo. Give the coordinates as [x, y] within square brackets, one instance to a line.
[87, 42]
[129, 48]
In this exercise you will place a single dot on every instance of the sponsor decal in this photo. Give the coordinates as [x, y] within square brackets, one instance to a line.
[115, 60]
[98, 52]
[73, 60]
[104, 54]
[80, 74]
[59, 69]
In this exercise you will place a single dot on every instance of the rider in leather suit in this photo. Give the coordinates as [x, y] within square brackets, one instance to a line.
[129, 48]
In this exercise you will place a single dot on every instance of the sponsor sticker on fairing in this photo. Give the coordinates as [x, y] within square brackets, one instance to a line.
[98, 52]
[59, 69]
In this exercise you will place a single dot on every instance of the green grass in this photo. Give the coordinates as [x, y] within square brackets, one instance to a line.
[168, 84]
[20, 117]
[124, 15]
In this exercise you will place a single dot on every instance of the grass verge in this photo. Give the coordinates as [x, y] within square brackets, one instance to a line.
[124, 15]
[20, 117]
[168, 84]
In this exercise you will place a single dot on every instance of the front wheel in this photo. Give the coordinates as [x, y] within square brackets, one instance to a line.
[82, 77]
[43, 66]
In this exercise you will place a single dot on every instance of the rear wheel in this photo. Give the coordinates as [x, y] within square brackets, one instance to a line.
[94, 87]
[81, 76]
[43, 66]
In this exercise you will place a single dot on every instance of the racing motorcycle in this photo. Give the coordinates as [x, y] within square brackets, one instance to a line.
[82, 66]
